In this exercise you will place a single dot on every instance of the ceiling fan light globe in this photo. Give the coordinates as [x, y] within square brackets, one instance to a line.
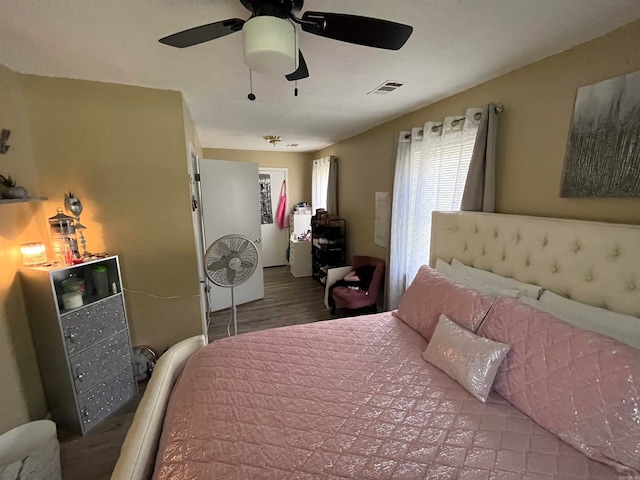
[269, 45]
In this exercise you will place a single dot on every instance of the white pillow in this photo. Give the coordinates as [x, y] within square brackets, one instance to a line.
[624, 328]
[457, 276]
[533, 291]
[471, 360]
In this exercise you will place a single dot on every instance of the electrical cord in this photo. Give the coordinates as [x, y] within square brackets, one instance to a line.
[178, 298]
[181, 297]
[160, 296]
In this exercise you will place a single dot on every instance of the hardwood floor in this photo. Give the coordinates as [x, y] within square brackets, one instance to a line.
[287, 301]
[93, 456]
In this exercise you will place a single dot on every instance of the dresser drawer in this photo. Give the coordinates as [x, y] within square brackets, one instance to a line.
[100, 361]
[105, 397]
[91, 324]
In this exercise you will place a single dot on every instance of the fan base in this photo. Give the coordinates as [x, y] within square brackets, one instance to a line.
[275, 8]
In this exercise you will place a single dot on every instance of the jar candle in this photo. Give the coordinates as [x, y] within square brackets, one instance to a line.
[33, 254]
[71, 300]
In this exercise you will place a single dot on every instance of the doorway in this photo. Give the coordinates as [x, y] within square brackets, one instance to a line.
[274, 240]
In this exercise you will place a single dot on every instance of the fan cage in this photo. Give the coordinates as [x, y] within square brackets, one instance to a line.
[231, 260]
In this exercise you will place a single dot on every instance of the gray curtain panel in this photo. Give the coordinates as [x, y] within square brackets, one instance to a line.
[480, 189]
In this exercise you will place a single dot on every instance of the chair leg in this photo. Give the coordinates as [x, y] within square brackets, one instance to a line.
[374, 308]
[333, 309]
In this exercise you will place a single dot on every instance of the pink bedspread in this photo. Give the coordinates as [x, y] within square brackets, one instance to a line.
[348, 398]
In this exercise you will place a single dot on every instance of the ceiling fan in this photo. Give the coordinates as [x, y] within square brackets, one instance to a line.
[270, 43]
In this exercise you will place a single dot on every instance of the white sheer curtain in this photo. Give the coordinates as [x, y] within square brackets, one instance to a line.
[324, 185]
[431, 170]
[409, 145]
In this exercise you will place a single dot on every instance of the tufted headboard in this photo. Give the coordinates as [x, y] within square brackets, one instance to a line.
[590, 262]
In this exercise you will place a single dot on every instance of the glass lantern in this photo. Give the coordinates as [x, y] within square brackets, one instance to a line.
[63, 238]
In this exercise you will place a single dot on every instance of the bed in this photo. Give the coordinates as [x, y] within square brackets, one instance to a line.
[354, 398]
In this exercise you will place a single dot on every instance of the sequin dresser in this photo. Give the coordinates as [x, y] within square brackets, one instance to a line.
[84, 350]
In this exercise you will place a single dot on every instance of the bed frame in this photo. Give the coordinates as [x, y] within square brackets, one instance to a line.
[590, 262]
[138, 453]
[593, 263]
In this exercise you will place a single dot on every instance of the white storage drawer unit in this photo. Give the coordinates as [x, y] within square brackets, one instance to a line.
[84, 353]
[300, 258]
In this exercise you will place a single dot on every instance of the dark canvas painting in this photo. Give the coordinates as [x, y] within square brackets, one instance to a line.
[603, 152]
[266, 209]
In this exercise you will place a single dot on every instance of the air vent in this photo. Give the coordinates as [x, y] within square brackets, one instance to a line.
[387, 87]
[292, 144]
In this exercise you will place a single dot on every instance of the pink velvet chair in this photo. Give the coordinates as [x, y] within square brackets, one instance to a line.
[356, 299]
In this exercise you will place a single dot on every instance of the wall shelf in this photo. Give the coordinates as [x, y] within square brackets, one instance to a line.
[22, 200]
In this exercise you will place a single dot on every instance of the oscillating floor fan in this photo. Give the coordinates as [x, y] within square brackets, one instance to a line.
[230, 261]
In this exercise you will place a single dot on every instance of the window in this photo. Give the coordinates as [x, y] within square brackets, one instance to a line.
[431, 171]
[323, 185]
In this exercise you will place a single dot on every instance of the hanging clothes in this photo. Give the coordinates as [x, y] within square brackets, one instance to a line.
[283, 209]
[266, 210]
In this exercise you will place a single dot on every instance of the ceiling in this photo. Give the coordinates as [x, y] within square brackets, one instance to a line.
[455, 44]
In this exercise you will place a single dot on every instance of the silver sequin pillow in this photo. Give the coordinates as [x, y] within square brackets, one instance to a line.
[469, 359]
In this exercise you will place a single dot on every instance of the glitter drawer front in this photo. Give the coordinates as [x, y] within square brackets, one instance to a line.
[84, 354]
[100, 361]
[86, 326]
[104, 398]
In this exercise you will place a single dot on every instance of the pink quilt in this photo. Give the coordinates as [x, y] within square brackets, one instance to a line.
[349, 398]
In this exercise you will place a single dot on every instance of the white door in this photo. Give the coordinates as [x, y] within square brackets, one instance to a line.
[230, 204]
[198, 231]
[274, 240]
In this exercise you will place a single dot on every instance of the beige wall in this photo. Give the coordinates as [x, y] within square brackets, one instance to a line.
[531, 144]
[298, 165]
[21, 395]
[365, 166]
[122, 151]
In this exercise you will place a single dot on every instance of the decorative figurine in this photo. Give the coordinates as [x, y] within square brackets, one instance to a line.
[63, 238]
[8, 188]
[74, 206]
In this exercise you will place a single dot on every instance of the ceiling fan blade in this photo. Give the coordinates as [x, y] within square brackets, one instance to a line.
[203, 33]
[367, 31]
[301, 72]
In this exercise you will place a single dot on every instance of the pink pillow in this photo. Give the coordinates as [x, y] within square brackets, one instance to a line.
[431, 294]
[469, 359]
[580, 385]
[352, 277]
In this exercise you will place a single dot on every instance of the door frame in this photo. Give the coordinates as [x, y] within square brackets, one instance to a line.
[193, 170]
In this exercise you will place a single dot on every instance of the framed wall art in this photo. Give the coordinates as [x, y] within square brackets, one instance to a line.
[603, 149]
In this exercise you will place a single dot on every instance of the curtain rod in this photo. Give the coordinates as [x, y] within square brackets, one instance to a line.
[499, 109]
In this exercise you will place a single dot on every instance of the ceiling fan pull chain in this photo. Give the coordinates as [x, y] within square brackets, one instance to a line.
[295, 44]
[251, 96]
